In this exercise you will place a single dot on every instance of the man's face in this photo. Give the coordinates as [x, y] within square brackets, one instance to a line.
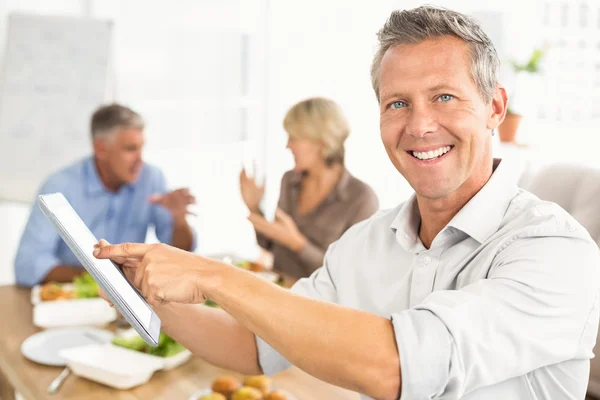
[435, 126]
[122, 154]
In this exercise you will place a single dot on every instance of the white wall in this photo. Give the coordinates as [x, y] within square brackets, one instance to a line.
[312, 48]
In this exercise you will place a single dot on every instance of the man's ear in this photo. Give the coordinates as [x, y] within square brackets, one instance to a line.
[499, 107]
[100, 146]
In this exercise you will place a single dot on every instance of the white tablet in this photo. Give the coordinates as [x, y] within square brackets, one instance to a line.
[109, 277]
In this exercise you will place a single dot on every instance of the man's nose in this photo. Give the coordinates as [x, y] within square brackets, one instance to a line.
[420, 122]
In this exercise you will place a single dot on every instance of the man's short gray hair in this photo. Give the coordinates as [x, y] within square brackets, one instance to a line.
[428, 22]
[108, 118]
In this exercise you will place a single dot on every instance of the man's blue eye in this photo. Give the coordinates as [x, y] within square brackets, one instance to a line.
[445, 98]
[398, 104]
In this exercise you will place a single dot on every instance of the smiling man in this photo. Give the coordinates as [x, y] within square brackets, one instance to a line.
[116, 194]
[472, 289]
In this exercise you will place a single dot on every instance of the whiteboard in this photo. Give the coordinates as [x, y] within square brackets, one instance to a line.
[54, 75]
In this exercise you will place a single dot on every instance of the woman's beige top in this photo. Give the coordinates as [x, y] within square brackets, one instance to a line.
[350, 201]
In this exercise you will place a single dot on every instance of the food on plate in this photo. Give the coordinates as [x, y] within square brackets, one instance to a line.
[167, 346]
[260, 382]
[276, 395]
[225, 385]
[247, 393]
[250, 265]
[83, 287]
[53, 291]
[212, 396]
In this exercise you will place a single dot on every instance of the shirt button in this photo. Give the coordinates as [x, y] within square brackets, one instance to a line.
[426, 260]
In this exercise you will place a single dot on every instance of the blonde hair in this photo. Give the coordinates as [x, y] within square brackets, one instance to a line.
[321, 120]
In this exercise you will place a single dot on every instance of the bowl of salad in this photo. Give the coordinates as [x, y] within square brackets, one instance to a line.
[170, 352]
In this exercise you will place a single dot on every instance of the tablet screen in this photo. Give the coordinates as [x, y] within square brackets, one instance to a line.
[79, 233]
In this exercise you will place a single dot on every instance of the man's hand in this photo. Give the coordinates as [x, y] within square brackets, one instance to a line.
[283, 230]
[161, 273]
[252, 193]
[176, 202]
[129, 272]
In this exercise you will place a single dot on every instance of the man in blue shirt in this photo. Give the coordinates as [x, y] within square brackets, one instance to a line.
[117, 195]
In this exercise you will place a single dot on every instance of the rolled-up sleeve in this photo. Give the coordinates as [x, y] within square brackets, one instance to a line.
[318, 286]
[36, 254]
[538, 303]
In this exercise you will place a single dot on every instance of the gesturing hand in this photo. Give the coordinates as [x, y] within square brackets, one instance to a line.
[283, 230]
[252, 192]
[176, 202]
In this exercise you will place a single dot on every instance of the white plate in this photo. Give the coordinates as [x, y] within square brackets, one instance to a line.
[71, 313]
[203, 392]
[227, 257]
[112, 365]
[43, 347]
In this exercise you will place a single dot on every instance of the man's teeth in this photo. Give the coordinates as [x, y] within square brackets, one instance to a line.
[429, 155]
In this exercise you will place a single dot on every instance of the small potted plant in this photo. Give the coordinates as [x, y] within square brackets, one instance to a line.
[508, 128]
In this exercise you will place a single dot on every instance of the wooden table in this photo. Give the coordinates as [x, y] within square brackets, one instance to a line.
[32, 380]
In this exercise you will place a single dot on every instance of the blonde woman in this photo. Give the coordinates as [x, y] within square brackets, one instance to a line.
[319, 199]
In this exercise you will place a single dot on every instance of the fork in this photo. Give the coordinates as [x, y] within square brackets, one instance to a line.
[58, 381]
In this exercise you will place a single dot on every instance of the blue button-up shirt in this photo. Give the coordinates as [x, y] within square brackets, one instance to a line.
[122, 216]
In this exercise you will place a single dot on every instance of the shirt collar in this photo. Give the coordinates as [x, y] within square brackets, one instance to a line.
[479, 218]
[483, 214]
[94, 184]
[93, 181]
[406, 225]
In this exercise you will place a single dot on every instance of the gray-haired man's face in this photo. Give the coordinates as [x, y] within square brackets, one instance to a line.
[121, 153]
[434, 123]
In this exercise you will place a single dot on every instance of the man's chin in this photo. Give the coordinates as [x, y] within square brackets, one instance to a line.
[131, 179]
[431, 191]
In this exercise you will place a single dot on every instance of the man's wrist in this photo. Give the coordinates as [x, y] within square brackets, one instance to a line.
[212, 278]
[179, 221]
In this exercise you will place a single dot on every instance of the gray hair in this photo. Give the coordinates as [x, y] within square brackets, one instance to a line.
[108, 118]
[429, 22]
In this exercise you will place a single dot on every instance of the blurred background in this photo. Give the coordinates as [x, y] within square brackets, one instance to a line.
[214, 78]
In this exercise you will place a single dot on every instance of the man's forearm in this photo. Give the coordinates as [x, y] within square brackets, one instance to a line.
[183, 236]
[212, 335]
[348, 348]
[63, 273]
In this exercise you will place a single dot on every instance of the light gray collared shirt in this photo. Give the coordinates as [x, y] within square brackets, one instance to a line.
[503, 305]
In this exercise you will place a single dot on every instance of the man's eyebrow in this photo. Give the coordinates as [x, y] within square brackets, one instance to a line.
[435, 88]
[393, 95]
[442, 86]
